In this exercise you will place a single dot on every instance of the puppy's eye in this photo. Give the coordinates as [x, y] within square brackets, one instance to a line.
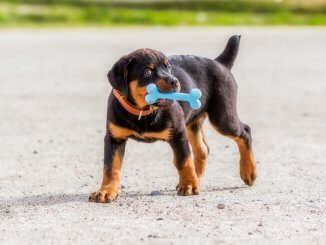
[169, 68]
[147, 72]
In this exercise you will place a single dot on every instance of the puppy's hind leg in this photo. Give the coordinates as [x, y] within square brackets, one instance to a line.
[223, 115]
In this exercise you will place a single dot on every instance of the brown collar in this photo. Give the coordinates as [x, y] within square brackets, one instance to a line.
[131, 108]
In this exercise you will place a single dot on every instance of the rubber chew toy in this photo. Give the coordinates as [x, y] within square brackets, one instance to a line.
[192, 98]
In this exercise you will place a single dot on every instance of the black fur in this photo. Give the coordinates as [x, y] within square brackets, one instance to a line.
[230, 52]
[212, 77]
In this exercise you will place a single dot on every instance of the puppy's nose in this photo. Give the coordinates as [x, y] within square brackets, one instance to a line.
[173, 82]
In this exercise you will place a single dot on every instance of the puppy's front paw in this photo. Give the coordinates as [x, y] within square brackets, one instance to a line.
[103, 195]
[188, 189]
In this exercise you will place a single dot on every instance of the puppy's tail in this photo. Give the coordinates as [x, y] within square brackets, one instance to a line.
[230, 52]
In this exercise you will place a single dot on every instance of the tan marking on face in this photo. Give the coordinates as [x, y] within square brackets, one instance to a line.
[163, 85]
[151, 66]
[138, 93]
[123, 133]
[166, 62]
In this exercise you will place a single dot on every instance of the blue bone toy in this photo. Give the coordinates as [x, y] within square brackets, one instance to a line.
[154, 94]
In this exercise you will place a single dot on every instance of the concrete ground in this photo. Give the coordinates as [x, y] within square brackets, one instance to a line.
[53, 93]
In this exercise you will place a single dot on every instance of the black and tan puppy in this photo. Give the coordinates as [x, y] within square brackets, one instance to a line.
[129, 116]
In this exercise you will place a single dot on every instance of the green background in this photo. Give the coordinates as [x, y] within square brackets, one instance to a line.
[164, 13]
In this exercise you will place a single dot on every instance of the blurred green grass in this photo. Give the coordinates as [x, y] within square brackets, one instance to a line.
[125, 13]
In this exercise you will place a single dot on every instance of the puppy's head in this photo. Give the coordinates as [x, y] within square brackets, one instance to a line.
[132, 73]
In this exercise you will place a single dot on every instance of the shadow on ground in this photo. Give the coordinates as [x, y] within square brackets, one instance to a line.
[46, 200]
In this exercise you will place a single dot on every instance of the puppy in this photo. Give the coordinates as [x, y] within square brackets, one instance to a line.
[129, 116]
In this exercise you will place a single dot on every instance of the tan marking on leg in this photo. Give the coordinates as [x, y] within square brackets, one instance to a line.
[199, 149]
[108, 191]
[188, 180]
[138, 93]
[247, 162]
[248, 171]
[123, 133]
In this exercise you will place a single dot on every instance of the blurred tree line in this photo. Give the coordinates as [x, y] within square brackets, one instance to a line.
[163, 12]
[197, 5]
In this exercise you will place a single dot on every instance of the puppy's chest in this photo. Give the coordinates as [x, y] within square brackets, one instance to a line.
[124, 133]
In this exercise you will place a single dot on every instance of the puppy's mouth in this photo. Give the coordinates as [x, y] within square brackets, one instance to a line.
[163, 87]
[164, 103]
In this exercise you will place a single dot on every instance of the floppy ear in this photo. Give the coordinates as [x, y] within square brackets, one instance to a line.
[118, 75]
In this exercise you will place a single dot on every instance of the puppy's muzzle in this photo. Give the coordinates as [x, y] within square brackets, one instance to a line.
[168, 85]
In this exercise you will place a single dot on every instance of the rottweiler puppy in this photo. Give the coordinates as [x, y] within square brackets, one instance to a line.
[129, 116]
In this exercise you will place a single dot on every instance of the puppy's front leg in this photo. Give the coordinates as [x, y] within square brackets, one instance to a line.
[188, 180]
[113, 155]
